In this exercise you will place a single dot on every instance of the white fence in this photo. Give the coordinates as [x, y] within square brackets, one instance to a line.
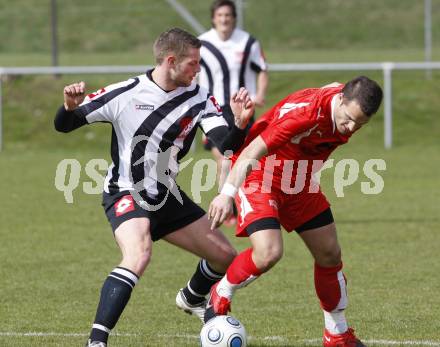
[386, 67]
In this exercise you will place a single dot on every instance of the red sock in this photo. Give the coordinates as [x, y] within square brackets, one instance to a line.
[330, 285]
[242, 270]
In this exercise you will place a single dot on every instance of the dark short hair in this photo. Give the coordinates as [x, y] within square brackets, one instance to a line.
[220, 3]
[175, 41]
[366, 92]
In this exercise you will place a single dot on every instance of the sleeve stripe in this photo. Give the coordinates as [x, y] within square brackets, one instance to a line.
[97, 103]
[209, 115]
[213, 122]
[256, 67]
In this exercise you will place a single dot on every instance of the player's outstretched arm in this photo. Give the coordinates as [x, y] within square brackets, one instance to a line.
[242, 107]
[221, 207]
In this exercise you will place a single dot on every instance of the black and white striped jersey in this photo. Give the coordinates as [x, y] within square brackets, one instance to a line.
[231, 64]
[152, 130]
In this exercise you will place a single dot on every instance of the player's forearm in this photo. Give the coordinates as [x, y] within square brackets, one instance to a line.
[66, 121]
[262, 84]
[247, 160]
[227, 140]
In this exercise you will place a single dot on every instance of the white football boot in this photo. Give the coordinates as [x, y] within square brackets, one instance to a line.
[197, 310]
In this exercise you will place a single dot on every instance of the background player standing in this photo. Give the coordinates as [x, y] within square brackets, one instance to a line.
[231, 58]
[304, 127]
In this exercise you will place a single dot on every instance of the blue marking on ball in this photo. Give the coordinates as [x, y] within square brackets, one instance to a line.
[236, 342]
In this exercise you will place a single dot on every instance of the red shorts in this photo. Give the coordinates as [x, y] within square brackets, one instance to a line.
[292, 210]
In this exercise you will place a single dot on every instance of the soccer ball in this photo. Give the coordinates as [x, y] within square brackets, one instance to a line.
[223, 331]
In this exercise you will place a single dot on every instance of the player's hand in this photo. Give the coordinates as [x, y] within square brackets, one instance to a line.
[242, 107]
[219, 210]
[74, 95]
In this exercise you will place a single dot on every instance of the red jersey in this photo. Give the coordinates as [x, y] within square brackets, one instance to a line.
[299, 130]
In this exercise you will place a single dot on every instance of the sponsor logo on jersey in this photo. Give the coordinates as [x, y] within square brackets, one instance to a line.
[186, 126]
[124, 205]
[145, 107]
[215, 103]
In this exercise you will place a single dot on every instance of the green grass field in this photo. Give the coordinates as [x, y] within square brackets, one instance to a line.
[55, 255]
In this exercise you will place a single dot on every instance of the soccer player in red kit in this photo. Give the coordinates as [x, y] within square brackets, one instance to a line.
[272, 183]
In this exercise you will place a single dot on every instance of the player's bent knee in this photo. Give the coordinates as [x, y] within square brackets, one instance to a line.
[224, 253]
[228, 258]
[222, 260]
[266, 258]
[231, 254]
[329, 257]
[228, 251]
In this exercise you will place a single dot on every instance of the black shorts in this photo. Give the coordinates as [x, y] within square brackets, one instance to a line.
[322, 219]
[170, 217]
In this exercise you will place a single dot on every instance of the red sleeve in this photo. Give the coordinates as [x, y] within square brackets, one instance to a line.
[282, 129]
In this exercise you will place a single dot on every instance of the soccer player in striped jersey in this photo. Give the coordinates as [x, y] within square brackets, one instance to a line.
[285, 147]
[231, 58]
[154, 118]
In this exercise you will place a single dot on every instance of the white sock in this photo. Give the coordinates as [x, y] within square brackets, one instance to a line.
[226, 288]
[335, 322]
